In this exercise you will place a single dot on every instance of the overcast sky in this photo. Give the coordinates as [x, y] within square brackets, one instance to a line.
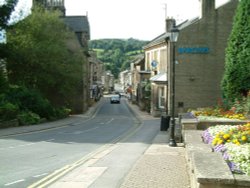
[139, 19]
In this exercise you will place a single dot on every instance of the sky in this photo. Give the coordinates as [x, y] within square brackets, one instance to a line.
[138, 19]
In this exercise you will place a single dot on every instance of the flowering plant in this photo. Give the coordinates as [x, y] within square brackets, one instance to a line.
[239, 156]
[233, 142]
[203, 113]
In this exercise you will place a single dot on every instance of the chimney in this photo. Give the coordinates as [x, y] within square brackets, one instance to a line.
[170, 22]
[207, 7]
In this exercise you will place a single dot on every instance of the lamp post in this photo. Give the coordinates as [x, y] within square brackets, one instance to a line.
[173, 39]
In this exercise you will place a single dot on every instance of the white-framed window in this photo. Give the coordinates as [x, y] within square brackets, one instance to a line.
[161, 97]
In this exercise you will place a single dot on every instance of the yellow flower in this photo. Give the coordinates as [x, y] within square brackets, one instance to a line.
[235, 141]
[214, 142]
[226, 136]
[220, 141]
[244, 138]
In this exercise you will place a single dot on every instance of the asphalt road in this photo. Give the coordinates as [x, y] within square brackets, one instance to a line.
[26, 159]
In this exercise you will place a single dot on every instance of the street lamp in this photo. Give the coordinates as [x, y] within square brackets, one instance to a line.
[173, 39]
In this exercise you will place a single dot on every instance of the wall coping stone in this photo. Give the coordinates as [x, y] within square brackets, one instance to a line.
[208, 169]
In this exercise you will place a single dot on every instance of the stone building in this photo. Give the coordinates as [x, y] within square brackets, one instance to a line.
[96, 70]
[156, 64]
[200, 53]
[199, 60]
[135, 68]
[108, 81]
[80, 26]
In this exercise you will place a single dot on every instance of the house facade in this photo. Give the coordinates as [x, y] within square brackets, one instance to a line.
[200, 56]
[109, 82]
[96, 70]
[135, 68]
[199, 60]
[157, 54]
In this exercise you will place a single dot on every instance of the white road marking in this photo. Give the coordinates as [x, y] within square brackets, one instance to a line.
[29, 144]
[39, 175]
[25, 145]
[79, 132]
[49, 140]
[14, 182]
[109, 121]
[71, 142]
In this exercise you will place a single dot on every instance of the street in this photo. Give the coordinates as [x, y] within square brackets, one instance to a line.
[110, 143]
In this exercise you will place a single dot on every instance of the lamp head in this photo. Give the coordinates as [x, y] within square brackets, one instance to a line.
[174, 34]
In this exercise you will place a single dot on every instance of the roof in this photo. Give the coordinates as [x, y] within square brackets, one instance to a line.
[161, 77]
[138, 59]
[187, 23]
[157, 40]
[77, 23]
[162, 38]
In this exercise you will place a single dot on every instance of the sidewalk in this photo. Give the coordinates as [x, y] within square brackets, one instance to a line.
[73, 119]
[161, 166]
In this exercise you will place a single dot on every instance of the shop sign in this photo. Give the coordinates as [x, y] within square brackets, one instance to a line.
[195, 50]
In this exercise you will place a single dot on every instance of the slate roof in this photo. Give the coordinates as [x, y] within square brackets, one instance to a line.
[77, 23]
[161, 38]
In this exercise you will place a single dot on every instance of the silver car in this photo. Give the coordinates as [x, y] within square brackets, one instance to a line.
[114, 99]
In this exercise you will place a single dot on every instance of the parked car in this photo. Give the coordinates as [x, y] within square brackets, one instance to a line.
[114, 99]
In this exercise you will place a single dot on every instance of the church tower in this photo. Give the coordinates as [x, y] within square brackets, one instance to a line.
[51, 5]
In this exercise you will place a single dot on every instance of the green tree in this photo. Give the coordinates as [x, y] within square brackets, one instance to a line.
[5, 12]
[117, 54]
[6, 9]
[43, 55]
[236, 80]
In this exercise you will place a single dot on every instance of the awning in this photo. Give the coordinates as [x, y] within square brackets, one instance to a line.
[162, 77]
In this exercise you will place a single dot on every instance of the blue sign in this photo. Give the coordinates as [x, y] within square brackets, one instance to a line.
[154, 63]
[195, 50]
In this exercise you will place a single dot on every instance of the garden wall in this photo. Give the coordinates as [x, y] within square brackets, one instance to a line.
[208, 169]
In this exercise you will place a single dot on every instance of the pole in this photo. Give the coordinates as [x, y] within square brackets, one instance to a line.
[172, 142]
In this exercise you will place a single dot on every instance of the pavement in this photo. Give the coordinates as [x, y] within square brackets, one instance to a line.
[160, 166]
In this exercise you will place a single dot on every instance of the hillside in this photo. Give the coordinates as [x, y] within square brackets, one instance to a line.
[117, 54]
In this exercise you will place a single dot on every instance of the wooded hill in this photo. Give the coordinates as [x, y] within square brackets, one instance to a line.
[117, 54]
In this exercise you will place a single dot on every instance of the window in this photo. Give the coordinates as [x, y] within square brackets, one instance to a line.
[161, 98]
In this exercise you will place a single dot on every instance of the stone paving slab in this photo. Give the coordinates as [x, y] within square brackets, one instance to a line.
[160, 167]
